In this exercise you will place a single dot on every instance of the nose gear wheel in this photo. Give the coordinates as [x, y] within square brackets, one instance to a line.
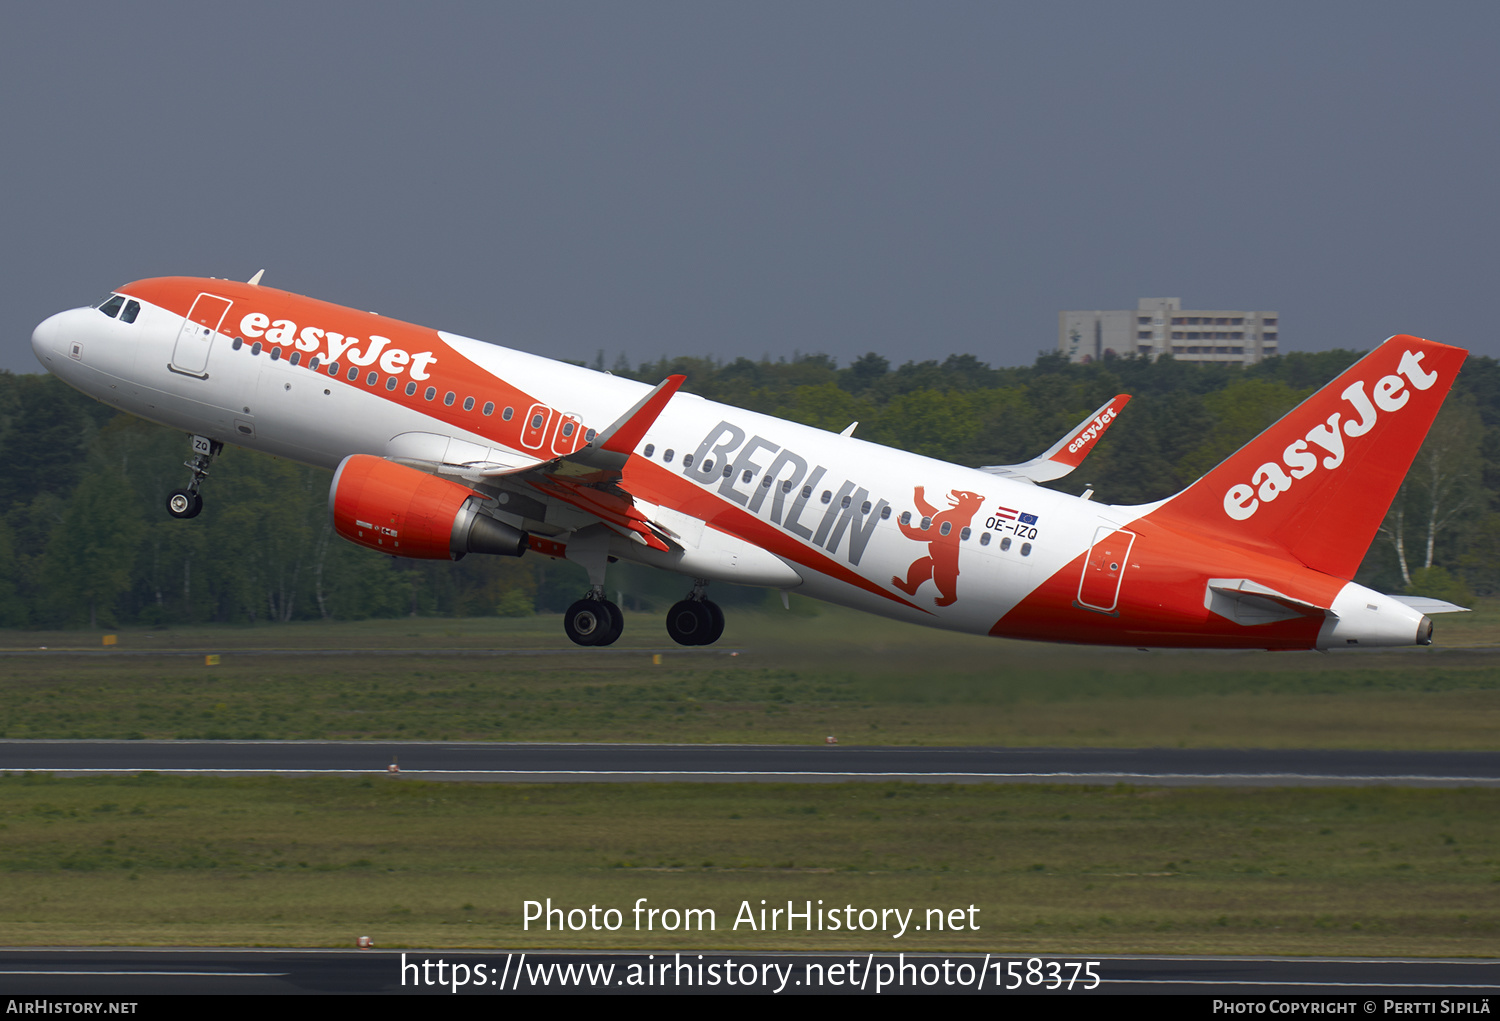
[183, 503]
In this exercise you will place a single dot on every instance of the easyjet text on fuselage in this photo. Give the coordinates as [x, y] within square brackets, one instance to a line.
[333, 346]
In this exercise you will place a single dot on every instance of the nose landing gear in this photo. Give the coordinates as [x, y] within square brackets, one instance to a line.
[186, 503]
[695, 620]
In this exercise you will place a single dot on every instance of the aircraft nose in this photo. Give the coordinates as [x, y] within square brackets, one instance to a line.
[45, 338]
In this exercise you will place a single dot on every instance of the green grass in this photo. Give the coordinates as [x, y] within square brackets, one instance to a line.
[208, 861]
[777, 678]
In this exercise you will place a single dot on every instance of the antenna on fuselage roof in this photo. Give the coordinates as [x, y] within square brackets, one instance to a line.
[255, 280]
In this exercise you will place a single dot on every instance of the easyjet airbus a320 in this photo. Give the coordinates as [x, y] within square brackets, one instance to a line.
[444, 446]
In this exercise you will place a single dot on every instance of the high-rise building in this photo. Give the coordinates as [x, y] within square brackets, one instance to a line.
[1159, 326]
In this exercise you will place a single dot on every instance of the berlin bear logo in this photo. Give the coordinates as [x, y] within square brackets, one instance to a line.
[941, 534]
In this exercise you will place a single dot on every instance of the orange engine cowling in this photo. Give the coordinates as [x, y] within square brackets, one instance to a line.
[407, 513]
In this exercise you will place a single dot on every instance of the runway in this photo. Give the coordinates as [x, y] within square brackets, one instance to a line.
[622, 763]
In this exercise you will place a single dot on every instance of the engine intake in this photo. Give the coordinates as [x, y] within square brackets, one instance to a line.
[404, 512]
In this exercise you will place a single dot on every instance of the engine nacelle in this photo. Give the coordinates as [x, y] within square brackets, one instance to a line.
[398, 510]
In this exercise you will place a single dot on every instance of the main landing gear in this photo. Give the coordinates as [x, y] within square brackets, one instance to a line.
[695, 620]
[594, 620]
[186, 503]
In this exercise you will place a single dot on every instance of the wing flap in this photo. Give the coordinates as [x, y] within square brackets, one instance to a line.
[588, 479]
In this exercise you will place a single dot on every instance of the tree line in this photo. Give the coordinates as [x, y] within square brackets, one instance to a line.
[84, 539]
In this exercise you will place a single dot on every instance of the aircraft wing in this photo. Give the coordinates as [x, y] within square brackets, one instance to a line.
[1067, 453]
[586, 479]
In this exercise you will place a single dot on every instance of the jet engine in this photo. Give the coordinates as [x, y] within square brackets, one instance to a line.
[404, 512]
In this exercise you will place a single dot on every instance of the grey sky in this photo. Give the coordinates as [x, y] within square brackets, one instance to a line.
[763, 178]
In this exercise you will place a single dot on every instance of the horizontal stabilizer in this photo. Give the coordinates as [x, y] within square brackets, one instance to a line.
[1249, 602]
[1067, 453]
[1426, 604]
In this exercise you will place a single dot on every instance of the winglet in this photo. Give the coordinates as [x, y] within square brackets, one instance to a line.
[255, 280]
[613, 446]
[1074, 447]
[1067, 453]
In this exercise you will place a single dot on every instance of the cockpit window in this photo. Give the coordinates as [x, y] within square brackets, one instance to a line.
[111, 305]
[132, 309]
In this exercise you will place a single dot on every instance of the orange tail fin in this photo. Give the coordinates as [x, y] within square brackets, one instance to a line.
[1317, 484]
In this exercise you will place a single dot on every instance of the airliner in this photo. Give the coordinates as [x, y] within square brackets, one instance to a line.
[443, 446]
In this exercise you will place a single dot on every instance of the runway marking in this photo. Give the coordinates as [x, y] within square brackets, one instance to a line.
[160, 974]
[783, 774]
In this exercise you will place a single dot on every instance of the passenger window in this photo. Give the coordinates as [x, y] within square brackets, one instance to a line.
[372, 379]
[296, 357]
[255, 348]
[906, 517]
[132, 309]
[507, 413]
[333, 368]
[650, 449]
[964, 535]
[984, 540]
[411, 388]
[1025, 549]
[431, 393]
[449, 398]
[885, 513]
[468, 404]
[947, 527]
[239, 342]
[275, 354]
[926, 523]
[111, 307]
[1005, 544]
[353, 373]
[489, 408]
[687, 460]
[390, 384]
